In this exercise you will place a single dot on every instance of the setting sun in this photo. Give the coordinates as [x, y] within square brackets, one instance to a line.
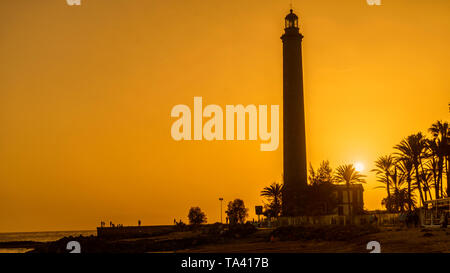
[359, 166]
[87, 92]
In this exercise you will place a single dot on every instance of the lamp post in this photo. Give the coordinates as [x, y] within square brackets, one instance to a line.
[221, 199]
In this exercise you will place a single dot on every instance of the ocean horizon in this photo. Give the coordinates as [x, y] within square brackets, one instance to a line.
[39, 236]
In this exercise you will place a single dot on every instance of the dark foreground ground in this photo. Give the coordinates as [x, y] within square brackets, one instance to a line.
[391, 240]
[247, 239]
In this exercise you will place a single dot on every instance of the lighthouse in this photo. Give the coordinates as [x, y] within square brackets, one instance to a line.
[294, 138]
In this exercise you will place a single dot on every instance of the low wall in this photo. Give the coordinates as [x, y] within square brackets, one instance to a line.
[310, 220]
[383, 219]
[133, 231]
[387, 219]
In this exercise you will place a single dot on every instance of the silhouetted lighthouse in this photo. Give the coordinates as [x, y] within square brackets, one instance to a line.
[294, 139]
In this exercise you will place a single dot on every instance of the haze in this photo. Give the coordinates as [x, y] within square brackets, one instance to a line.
[86, 94]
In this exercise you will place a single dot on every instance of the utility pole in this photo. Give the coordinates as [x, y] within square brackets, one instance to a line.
[221, 199]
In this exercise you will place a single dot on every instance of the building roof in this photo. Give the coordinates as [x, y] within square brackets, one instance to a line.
[291, 16]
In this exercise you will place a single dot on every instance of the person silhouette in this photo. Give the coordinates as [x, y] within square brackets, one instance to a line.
[139, 222]
[444, 220]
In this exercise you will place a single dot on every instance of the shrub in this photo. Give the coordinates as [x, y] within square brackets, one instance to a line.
[196, 216]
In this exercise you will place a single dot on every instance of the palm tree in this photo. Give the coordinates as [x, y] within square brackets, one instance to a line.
[273, 193]
[400, 192]
[383, 168]
[427, 178]
[348, 175]
[432, 169]
[412, 148]
[406, 167]
[441, 133]
[399, 200]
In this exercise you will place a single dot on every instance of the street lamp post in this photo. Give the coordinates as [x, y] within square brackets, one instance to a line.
[221, 199]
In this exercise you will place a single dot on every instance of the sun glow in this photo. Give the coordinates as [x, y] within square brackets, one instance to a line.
[359, 166]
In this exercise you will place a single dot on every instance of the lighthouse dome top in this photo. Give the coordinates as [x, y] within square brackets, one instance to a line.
[291, 20]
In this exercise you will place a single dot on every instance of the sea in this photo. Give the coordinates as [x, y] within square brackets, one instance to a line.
[43, 236]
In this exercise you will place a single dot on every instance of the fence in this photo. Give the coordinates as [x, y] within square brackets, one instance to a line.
[382, 219]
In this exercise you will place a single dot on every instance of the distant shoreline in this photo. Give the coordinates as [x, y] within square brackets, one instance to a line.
[46, 231]
[22, 242]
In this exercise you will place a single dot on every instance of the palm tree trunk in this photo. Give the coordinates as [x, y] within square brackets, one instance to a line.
[388, 193]
[448, 178]
[442, 180]
[425, 181]
[419, 186]
[436, 182]
[350, 214]
[409, 191]
[440, 170]
[401, 202]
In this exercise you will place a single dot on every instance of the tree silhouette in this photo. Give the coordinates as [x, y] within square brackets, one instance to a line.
[412, 148]
[236, 212]
[440, 149]
[321, 198]
[196, 216]
[324, 173]
[399, 200]
[273, 193]
[349, 176]
[383, 168]
[421, 162]
[406, 167]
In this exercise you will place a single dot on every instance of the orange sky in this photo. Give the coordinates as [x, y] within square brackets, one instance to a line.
[86, 94]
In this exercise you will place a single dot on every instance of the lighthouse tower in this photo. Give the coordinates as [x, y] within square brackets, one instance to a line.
[294, 139]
